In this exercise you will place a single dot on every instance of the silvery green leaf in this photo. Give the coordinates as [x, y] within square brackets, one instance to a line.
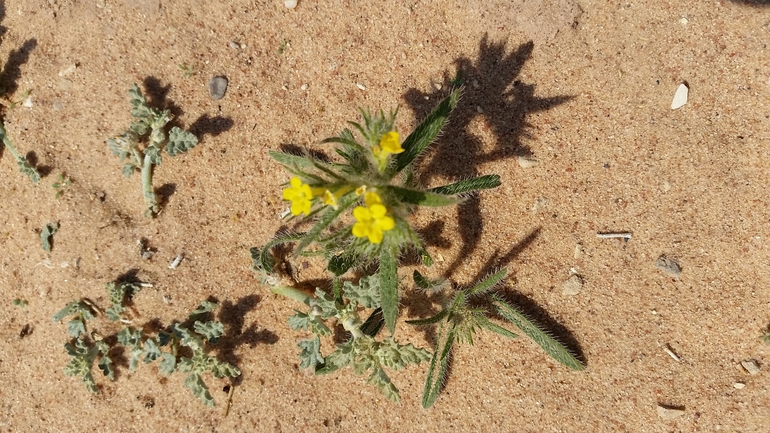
[129, 169]
[113, 313]
[205, 307]
[105, 365]
[46, 234]
[151, 351]
[299, 321]
[139, 109]
[199, 389]
[136, 355]
[75, 328]
[167, 364]
[366, 292]
[153, 153]
[130, 337]
[340, 358]
[180, 141]
[222, 369]
[74, 307]
[185, 365]
[311, 353]
[325, 302]
[140, 127]
[122, 145]
[211, 331]
[187, 338]
[27, 169]
[382, 382]
[396, 357]
[164, 338]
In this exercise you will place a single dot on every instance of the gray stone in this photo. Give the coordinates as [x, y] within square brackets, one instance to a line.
[217, 87]
[572, 286]
[668, 266]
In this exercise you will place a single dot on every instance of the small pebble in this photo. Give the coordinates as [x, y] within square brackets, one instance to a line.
[479, 109]
[680, 97]
[739, 385]
[668, 266]
[303, 87]
[572, 286]
[217, 87]
[751, 366]
[668, 412]
[68, 70]
[290, 4]
[527, 161]
[360, 86]
[683, 21]
[578, 251]
[475, 84]
[234, 45]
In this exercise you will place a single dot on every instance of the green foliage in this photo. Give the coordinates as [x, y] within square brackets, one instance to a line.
[765, 337]
[362, 352]
[20, 302]
[141, 347]
[187, 71]
[24, 166]
[61, 184]
[150, 122]
[464, 314]
[46, 234]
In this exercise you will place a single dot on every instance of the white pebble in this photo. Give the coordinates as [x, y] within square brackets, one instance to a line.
[234, 45]
[68, 70]
[739, 385]
[527, 161]
[28, 102]
[572, 286]
[177, 260]
[683, 21]
[360, 86]
[290, 4]
[303, 87]
[668, 413]
[751, 366]
[680, 97]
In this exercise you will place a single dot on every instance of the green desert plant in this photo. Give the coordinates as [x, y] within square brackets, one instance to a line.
[179, 340]
[62, 182]
[376, 179]
[24, 166]
[127, 146]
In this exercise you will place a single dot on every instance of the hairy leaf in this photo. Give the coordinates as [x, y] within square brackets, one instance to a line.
[204, 307]
[426, 284]
[382, 382]
[438, 370]
[389, 285]
[139, 109]
[419, 140]
[105, 365]
[552, 347]
[475, 184]
[396, 356]
[199, 389]
[327, 217]
[76, 327]
[151, 351]
[340, 358]
[46, 235]
[366, 292]
[180, 141]
[422, 198]
[74, 308]
[310, 357]
[211, 331]
[487, 284]
[167, 364]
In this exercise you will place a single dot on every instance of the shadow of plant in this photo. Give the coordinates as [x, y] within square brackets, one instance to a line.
[504, 102]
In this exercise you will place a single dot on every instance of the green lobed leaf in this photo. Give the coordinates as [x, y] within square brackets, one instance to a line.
[199, 389]
[46, 234]
[130, 337]
[388, 277]
[76, 327]
[382, 382]
[204, 307]
[396, 356]
[139, 109]
[211, 331]
[419, 140]
[151, 351]
[366, 292]
[469, 185]
[552, 347]
[180, 141]
[136, 356]
[222, 369]
[310, 357]
[105, 365]
[422, 198]
[187, 338]
[167, 364]
[74, 308]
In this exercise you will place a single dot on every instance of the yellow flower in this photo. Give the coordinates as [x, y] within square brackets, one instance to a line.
[389, 144]
[331, 198]
[372, 220]
[300, 195]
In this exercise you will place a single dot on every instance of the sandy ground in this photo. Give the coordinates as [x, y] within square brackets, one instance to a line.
[584, 87]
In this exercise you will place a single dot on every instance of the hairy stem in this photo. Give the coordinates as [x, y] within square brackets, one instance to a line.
[150, 199]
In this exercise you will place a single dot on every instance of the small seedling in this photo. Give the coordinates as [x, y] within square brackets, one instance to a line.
[187, 71]
[20, 302]
[46, 235]
[85, 348]
[282, 48]
[766, 337]
[61, 184]
[127, 146]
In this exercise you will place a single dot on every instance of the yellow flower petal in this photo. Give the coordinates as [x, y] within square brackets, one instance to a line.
[390, 143]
